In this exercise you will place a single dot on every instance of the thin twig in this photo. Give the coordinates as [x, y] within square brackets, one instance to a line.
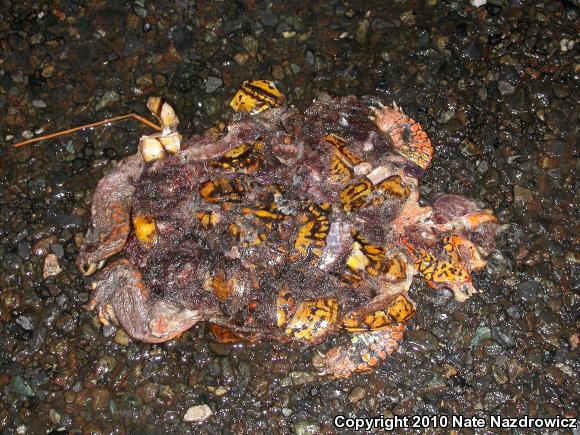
[94, 124]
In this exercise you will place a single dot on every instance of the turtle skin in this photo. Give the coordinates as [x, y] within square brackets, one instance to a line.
[290, 225]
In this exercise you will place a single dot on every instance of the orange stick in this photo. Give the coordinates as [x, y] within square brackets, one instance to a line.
[94, 124]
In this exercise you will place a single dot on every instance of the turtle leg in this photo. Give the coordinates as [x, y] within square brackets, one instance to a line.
[453, 212]
[406, 134]
[110, 213]
[121, 297]
[365, 351]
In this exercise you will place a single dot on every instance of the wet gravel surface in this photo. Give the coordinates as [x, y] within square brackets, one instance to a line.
[496, 88]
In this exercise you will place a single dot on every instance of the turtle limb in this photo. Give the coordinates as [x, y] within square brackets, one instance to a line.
[406, 134]
[454, 212]
[110, 213]
[121, 297]
[365, 351]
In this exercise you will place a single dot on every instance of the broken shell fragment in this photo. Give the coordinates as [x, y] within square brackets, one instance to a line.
[168, 117]
[145, 229]
[165, 113]
[171, 143]
[154, 105]
[151, 149]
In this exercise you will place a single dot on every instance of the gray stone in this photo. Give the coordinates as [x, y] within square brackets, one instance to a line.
[11, 262]
[268, 18]
[24, 249]
[528, 291]
[502, 337]
[481, 333]
[421, 340]
[506, 88]
[25, 322]
[19, 386]
[57, 249]
[212, 84]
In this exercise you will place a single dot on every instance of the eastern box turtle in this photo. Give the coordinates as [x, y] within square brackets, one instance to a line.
[290, 225]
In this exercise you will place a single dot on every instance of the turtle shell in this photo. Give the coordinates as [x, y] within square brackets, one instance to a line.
[289, 225]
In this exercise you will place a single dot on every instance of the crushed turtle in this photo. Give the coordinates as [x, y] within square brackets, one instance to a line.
[289, 225]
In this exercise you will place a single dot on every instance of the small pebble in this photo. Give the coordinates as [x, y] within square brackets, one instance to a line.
[481, 333]
[54, 416]
[506, 88]
[220, 391]
[57, 249]
[356, 395]
[241, 58]
[48, 71]
[198, 414]
[212, 84]
[51, 266]
[121, 337]
[306, 428]
[421, 340]
[11, 262]
[25, 322]
[107, 99]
